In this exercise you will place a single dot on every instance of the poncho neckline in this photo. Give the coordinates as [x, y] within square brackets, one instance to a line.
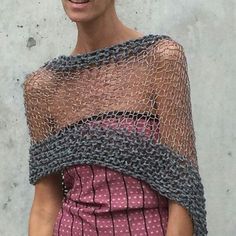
[114, 52]
[103, 49]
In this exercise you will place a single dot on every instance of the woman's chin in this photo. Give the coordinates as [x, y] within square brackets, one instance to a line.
[79, 17]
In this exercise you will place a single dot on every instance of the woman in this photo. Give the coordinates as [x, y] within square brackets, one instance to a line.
[112, 140]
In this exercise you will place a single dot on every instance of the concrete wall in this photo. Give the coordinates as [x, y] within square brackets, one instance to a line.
[32, 32]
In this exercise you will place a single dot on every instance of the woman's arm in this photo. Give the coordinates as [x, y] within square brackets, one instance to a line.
[38, 94]
[176, 125]
[179, 222]
[46, 205]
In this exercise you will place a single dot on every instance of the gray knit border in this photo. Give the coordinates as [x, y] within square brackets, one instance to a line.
[128, 152]
[115, 53]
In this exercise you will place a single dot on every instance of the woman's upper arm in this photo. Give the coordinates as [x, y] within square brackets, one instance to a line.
[37, 100]
[174, 101]
[176, 134]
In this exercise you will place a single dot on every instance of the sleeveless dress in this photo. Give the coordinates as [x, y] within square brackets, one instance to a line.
[102, 201]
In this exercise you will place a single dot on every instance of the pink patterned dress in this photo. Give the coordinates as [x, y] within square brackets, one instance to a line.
[101, 201]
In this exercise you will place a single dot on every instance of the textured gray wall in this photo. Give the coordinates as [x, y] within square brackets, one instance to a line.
[32, 32]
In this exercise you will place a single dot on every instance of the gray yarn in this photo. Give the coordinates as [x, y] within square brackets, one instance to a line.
[65, 103]
[165, 170]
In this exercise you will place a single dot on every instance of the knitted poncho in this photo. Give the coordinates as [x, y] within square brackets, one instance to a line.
[86, 109]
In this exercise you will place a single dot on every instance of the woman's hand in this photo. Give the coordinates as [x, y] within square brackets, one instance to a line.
[179, 222]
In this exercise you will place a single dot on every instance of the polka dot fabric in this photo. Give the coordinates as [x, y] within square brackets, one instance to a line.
[104, 202]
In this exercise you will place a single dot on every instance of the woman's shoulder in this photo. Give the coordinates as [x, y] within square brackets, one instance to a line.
[169, 47]
[37, 79]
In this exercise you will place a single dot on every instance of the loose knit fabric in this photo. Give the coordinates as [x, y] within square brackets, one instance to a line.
[87, 109]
